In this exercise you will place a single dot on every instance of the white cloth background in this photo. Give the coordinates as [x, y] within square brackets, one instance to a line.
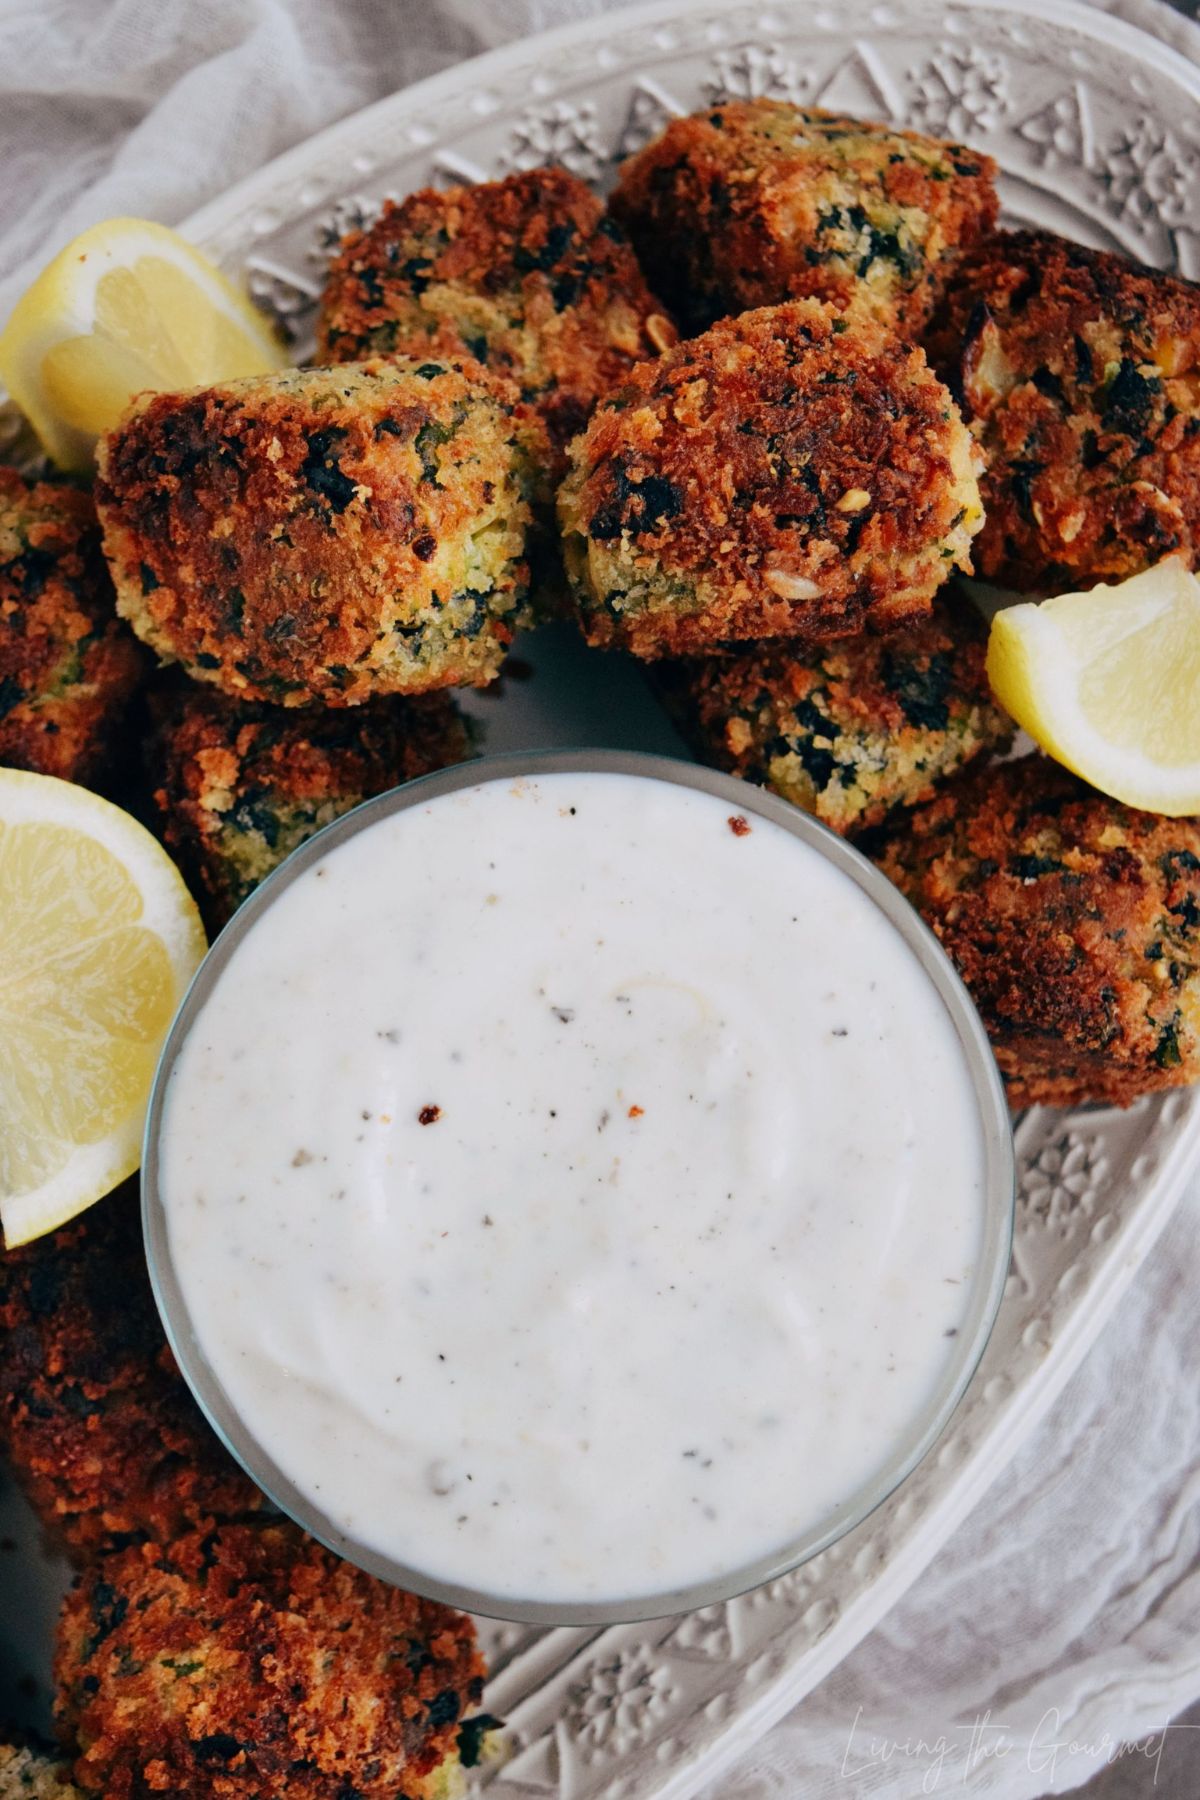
[1066, 1611]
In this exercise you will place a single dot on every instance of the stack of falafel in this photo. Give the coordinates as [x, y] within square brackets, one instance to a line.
[1074, 920]
[877, 389]
[880, 388]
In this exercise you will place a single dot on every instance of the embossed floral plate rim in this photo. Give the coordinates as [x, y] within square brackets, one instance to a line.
[654, 1711]
[210, 224]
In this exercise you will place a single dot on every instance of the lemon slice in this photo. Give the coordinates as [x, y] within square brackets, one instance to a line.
[127, 306]
[100, 939]
[1108, 682]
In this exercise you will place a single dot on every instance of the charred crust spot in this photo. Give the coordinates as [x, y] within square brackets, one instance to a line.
[558, 240]
[11, 694]
[471, 1735]
[217, 1747]
[1129, 399]
[32, 571]
[637, 507]
[322, 472]
[444, 1708]
[923, 688]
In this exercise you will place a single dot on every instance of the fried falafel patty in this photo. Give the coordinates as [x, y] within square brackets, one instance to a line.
[1079, 373]
[526, 275]
[67, 664]
[790, 472]
[849, 730]
[26, 1775]
[757, 201]
[1075, 923]
[101, 1429]
[251, 1661]
[324, 534]
[242, 786]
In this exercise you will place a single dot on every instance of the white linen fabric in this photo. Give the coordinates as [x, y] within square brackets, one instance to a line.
[1063, 1618]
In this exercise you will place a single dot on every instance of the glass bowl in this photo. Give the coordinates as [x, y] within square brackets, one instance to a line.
[990, 1273]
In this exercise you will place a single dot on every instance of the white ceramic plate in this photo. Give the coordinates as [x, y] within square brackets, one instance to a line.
[1097, 130]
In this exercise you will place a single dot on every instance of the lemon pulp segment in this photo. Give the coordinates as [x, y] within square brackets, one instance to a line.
[1108, 683]
[129, 306]
[100, 939]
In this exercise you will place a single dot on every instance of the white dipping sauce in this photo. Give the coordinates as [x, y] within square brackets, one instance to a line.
[678, 1256]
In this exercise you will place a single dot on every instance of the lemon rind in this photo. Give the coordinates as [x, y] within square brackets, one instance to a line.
[1035, 677]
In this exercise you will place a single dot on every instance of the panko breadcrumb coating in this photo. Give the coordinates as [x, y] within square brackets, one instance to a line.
[67, 664]
[324, 534]
[1079, 373]
[99, 1425]
[526, 275]
[849, 730]
[791, 472]
[251, 1662]
[756, 201]
[25, 1775]
[241, 786]
[1075, 923]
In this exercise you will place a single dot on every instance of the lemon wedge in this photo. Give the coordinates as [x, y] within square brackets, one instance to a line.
[100, 940]
[1108, 682]
[127, 306]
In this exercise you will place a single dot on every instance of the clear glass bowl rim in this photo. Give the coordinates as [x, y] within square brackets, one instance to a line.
[999, 1192]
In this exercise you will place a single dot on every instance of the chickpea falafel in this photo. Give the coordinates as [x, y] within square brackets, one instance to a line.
[850, 730]
[242, 786]
[792, 472]
[100, 1427]
[250, 1662]
[68, 665]
[1073, 920]
[324, 534]
[1079, 373]
[526, 275]
[756, 201]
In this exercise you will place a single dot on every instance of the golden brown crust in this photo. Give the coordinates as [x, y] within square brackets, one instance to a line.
[788, 473]
[250, 1662]
[241, 785]
[323, 534]
[67, 665]
[526, 275]
[849, 730]
[1075, 923]
[756, 201]
[1079, 373]
[97, 1420]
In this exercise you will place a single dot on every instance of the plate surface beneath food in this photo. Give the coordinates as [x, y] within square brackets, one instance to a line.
[1096, 128]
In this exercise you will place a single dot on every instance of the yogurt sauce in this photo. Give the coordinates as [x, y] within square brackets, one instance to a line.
[577, 1190]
